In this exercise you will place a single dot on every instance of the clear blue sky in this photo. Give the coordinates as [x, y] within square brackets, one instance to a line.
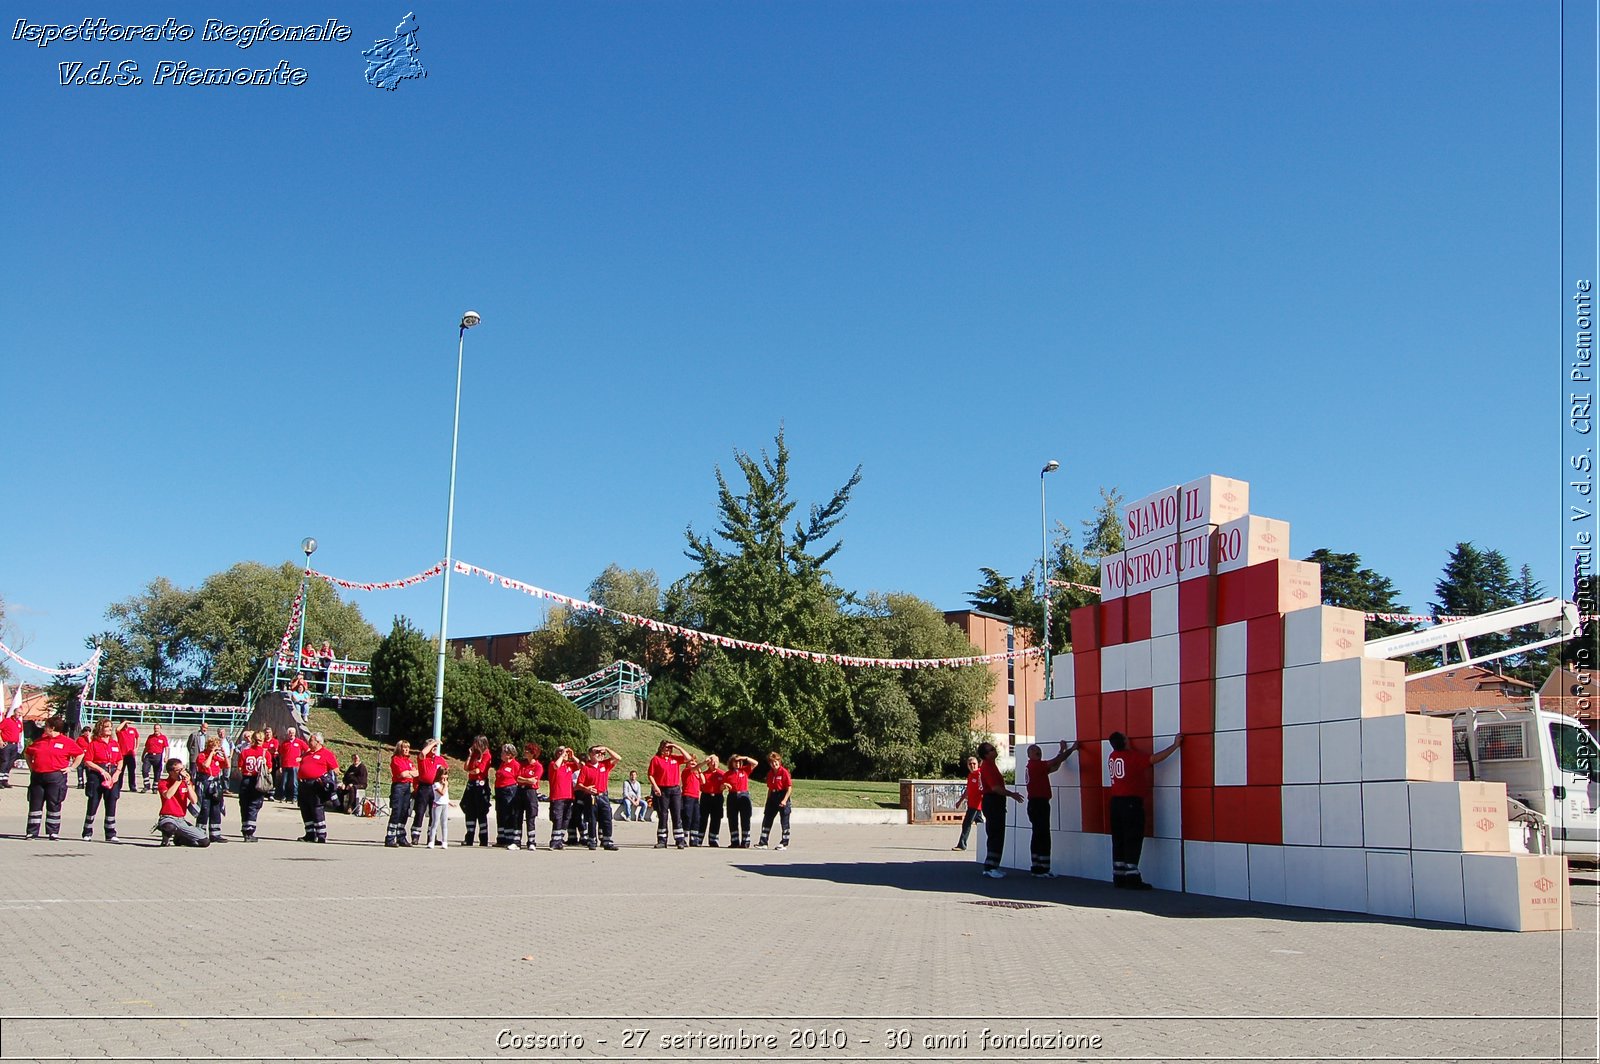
[1310, 245]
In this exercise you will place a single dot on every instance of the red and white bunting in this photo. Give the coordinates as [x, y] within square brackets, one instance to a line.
[382, 585]
[133, 707]
[87, 666]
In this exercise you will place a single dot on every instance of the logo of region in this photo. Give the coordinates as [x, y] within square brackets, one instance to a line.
[1429, 756]
[1384, 697]
[1543, 884]
[1268, 537]
[1299, 593]
[389, 62]
[1485, 824]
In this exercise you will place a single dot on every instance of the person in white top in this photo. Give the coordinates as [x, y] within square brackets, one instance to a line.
[439, 815]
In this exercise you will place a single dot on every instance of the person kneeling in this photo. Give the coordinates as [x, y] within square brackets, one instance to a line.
[177, 799]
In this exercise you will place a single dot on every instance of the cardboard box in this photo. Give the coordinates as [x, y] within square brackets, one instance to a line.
[1086, 673]
[1136, 659]
[1164, 611]
[1216, 869]
[1302, 815]
[1196, 812]
[1195, 655]
[1169, 772]
[1152, 565]
[1161, 863]
[1232, 644]
[1280, 586]
[1113, 576]
[1197, 707]
[1362, 687]
[1195, 556]
[1302, 757]
[1340, 751]
[1197, 603]
[1164, 660]
[1114, 712]
[1467, 817]
[1092, 856]
[1263, 700]
[1386, 816]
[1066, 808]
[1230, 710]
[1250, 540]
[1264, 757]
[1064, 674]
[1136, 617]
[1436, 887]
[1155, 515]
[1085, 628]
[1141, 716]
[1344, 884]
[1114, 667]
[1229, 814]
[1389, 884]
[1056, 716]
[1266, 875]
[1113, 622]
[1265, 650]
[1341, 814]
[1230, 766]
[1517, 892]
[1063, 853]
[1198, 758]
[1407, 746]
[1322, 633]
[1088, 712]
[1093, 802]
[1302, 695]
[1211, 500]
[1167, 804]
[1302, 876]
[1264, 814]
[1165, 716]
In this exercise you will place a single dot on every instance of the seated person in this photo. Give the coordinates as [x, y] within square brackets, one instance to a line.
[633, 807]
[353, 791]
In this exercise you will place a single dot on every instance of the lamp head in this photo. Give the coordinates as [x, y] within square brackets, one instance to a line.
[1050, 467]
[308, 545]
[470, 318]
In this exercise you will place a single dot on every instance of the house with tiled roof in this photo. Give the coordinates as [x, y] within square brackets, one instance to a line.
[1563, 692]
[1469, 687]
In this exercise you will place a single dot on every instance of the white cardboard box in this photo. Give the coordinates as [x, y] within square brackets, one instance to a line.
[1136, 659]
[1231, 641]
[1113, 667]
[1231, 766]
[1407, 746]
[1161, 863]
[1230, 703]
[1151, 565]
[1436, 887]
[1066, 806]
[1340, 751]
[1322, 633]
[1344, 885]
[1250, 540]
[1389, 884]
[1056, 716]
[1302, 758]
[1163, 659]
[1152, 516]
[1302, 695]
[1093, 856]
[1302, 814]
[1362, 687]
[1341, 814]
[1386, 816]
[1195, 556]
[1164, 712]
[1516, 892]
[1169, 773]
[1199, 867]
[1302, 876]
[1113, 576]
[1168, 811]
[1064, 669]
[1164, 610]
[1212, 500]
[1466, 817]
[1266, 875]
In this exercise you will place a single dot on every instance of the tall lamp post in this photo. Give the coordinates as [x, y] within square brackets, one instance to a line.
[1044, 573]
[309, 546]
[468, 320]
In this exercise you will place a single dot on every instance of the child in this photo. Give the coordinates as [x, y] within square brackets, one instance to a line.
[439, 813]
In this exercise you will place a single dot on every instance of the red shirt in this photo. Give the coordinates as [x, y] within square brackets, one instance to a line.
[693, 779]
[665, 771]
[530, 773]
[253, 761]
[272, 749]
[292, 750]
[990, 776]
[51, 753]
[10, 729]
[155, 744]
[105, 752]
[1039, 778]
[128, 739]
[83, 744]
[506, 774]
[212, 764]
[975, 789]
[428, 769]
[737, 779]
[560, 782]
[712, 783]
[178, 804]
[594, 778]
[1130, 773]
[778, 779]
[317, 764]
[399, 766]
[478, 765]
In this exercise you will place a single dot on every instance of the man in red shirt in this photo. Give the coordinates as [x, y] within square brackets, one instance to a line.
[49, 757]
[507, 816]
[319, 769]
[155, 757]
[1038, 772]
[737, 780]
[562, 771]
[995, 793]
[10, 739]
[666, 790]
[402, 781]
[428, 763]
[1130, 782]
[290, 751]
[974, 800]
[128, 742]
[779, 786]
[593, 785]
[177, 795]
[272, 745]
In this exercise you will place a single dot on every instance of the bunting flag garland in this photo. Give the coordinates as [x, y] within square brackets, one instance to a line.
[295, 609]
[382, 585]
[136, 707]
[73, 671]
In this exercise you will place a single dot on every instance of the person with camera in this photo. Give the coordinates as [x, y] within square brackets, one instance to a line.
[318, 783]
[210, 767]
[177, 796]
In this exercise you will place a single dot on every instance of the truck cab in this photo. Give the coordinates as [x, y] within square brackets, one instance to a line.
[1548, 761]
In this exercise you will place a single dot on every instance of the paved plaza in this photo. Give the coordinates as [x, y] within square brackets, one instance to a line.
[856, 943]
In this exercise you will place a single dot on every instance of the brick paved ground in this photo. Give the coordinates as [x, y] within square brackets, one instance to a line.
[135, 952]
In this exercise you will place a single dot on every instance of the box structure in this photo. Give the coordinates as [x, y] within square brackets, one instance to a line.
[1300, 779]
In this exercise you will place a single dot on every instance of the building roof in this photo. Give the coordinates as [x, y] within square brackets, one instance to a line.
[1471, 687]
[1562, 693]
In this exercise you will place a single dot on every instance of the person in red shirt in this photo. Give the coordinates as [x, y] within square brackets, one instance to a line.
[1038, 776]
[403, 779]
[562, 771]
[666, 792]
[995, 793]
[974, 800]
[1130, 782]
[529, 774]
[694, 782]
[711, 786]
[49, 757]
[255, 780]
[83, 748]
[779, 790]
[428, 763]
[290, 751]
[10, 739]
[593, 787]
[475, 799]
[272, 745]
[128, 742]
[103, 779]
[507, 816]
[737, 777]
[177, 795]
[210, 767]
[155, 757]
[319, 780]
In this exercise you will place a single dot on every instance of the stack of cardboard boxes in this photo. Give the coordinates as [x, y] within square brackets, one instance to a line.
[1302, 780]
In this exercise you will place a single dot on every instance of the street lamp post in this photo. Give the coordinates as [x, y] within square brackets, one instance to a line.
[1044, 574]
[309, 546]
[468, 320]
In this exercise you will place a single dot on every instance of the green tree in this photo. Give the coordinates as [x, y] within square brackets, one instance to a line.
[403, 673]
[573, 643]
[1347, 585]
[157, 657]
[758, 580]
[1473, 582]
[481, 698]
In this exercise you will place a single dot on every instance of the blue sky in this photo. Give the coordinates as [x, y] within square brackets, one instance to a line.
[1313, 246]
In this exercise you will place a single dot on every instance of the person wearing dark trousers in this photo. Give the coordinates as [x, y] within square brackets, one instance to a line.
[475, 799]
[210, 767]
[177, 794]
[155, 758]
[402, 777]
[428, 763]
[290, 751]
[666, 792]
[84, 737]
[780, 785]
[974, 800]
[737, 777]
[128, 743]
[995, 793]
[562, 771]
[255, 780]
[1130, 782]
[10, 740]
[529, 776]
[102, 779]
[592, 790]
[49, 757]
[318, 782]
[711, 786]
[507, 815]
[1038, 776]
[693, 783]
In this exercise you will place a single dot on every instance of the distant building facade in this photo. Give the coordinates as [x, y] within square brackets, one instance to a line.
[1019, 682]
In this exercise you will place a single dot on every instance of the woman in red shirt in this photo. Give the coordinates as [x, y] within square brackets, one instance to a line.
[974, 800]
[402, 777]
[255, 780]
[475, 799]
[507, 816]
[428, 763]
[177, 795]
[693, 783]
[526, 805]
[209, 769]
[319, 779]
[102, 764]
[49, 757]
[10, 740]
[738, 780]
[711, 785]
[779, 785]
[562, 770]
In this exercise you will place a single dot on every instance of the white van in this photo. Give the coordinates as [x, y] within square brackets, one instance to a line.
[1548, 761]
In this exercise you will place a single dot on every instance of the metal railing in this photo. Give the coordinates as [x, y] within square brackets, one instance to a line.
[602, 691]
[340, 678]
[168, 715]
